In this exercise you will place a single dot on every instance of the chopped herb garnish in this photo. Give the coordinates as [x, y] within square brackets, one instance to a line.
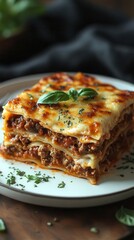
[125, 216]
[81, 110]
[62, 129]
[20, 173]
[59, 96]
[30, 177]
[37, 179]
[46, 178]
[11, 180]
[69, 123]
[2, 225]
[22, 186]
[61, 185]
[103, 98]
[30, 96]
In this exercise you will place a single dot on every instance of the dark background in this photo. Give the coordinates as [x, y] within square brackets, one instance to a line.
[74, 35]
[125, 6]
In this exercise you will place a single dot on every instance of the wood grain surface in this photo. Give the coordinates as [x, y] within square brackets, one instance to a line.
[30, 222]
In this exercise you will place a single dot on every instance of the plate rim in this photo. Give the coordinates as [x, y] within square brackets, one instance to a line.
[131, 189]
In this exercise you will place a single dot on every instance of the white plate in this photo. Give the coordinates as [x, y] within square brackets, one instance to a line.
[117, 185]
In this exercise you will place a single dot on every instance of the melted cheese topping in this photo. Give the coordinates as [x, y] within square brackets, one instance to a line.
[87, 120]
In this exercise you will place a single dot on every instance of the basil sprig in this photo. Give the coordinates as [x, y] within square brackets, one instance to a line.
[59, 96]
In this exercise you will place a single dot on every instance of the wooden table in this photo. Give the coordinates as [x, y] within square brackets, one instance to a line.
[31, 222]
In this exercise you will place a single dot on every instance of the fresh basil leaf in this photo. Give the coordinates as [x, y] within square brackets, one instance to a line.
[125, 216]
[87, 92]
[73, 93]
[53, 97]
[2, 225]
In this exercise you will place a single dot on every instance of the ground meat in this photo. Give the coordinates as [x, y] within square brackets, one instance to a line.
[28, 124]
[34, 126]
[11, 150]
[71, 143]
[48, 156]
[20, 139]
[33, 152]
[16, 121]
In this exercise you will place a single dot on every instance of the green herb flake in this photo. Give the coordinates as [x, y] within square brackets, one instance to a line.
[125, 216]
[61, 185]
[30, 177]
[46, 178]
[81, 111]
[30, 96]
[37, 178]
[69, 123]
[20, 173]
[2, 225]
[103, 98]
[11, 180]
[62, 129]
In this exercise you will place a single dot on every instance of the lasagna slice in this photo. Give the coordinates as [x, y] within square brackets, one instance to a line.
[73, 123]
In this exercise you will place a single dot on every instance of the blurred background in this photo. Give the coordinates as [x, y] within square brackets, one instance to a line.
[126, 6]
[93, 36]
